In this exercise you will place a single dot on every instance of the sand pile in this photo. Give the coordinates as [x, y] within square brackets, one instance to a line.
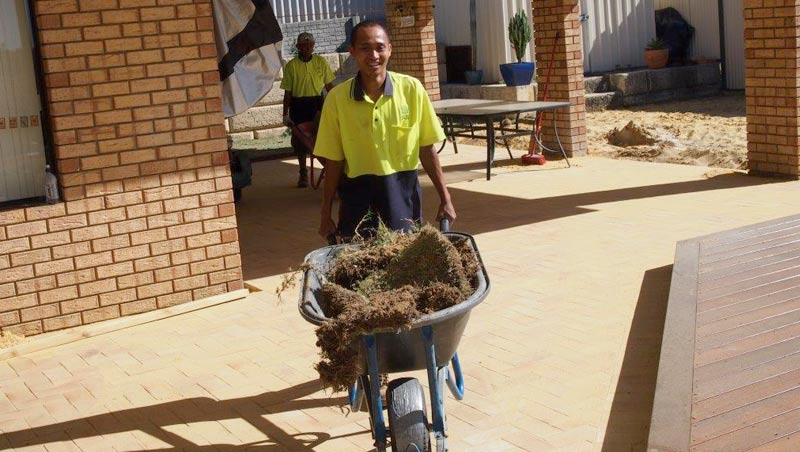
[388, 282]
[704, 131]
[630, 135]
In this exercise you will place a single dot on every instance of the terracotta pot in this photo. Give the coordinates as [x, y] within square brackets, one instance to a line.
[656, 59]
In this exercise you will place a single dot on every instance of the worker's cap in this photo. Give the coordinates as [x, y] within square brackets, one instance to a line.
[304, 38]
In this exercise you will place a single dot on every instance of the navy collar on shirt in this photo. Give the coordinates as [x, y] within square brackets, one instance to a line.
[357, 89]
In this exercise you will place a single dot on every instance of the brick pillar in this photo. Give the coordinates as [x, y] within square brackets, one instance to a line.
[566, 80]
[148, 218]
[414, 46]
[772, 31]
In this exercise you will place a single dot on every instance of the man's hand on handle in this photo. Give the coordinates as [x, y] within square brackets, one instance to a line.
[327, 228]
[446, 210]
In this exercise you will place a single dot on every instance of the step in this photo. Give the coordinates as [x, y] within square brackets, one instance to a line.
[596, 84]
[601, 101]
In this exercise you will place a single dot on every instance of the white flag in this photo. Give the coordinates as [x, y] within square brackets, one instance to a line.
[248, 38]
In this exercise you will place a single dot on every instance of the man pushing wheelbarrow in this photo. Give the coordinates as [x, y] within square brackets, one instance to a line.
[304, 77]
[375, 130]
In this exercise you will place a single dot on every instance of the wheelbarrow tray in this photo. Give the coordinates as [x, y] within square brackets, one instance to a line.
[398, 351]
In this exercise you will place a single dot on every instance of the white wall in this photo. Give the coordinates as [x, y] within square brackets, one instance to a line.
[452, 29]
[21, 148]
[616, 33]
[734, 43]
[703, 15]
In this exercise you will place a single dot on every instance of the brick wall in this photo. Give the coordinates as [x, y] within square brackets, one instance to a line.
[414, 47]
[148, 218]
[772, 88]
[552, 17]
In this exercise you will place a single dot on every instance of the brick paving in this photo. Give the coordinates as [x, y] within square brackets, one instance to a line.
[561, 356]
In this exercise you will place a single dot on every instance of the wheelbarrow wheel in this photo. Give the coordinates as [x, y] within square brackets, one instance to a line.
[408, 417]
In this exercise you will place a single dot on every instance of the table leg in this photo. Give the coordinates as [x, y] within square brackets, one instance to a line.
[490, 135]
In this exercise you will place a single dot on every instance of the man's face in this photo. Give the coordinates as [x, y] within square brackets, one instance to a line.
[305, 49]
[371, 50]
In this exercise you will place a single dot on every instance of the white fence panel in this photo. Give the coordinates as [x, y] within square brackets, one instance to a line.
[290, 11]
[616, 33]
[452, 29]
[21, 145]
[734, 43]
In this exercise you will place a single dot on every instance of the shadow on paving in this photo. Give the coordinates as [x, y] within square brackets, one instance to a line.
[629, 422]
[153, 419]
[278, 223]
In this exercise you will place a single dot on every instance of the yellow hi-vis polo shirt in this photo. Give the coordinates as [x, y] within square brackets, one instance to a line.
[377, 138]
[306, 79]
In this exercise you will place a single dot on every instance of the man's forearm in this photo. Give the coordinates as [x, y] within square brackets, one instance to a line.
[287, 100]
[333, 175]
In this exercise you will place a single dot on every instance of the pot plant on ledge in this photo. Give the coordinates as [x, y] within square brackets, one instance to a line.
[519, 33]
[656, 54]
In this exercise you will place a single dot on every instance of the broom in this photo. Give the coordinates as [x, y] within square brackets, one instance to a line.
[532, 158]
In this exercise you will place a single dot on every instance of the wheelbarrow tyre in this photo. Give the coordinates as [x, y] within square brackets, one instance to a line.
[408, 417]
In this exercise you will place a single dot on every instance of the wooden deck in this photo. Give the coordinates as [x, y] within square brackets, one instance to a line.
[729, 374]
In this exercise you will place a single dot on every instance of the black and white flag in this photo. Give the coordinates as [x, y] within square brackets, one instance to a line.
[248, 41]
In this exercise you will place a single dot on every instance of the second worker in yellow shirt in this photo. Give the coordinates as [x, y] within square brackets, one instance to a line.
[303, 79]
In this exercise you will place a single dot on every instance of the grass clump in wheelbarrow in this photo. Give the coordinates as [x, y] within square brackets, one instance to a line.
[388, 282]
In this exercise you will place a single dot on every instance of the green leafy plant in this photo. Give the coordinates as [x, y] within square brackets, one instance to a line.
[656, 44]
[519, 33]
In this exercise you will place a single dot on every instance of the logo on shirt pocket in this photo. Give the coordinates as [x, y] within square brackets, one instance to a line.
[404, 113]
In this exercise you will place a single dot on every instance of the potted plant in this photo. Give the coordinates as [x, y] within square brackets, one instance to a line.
[519, 33]
[656, 54]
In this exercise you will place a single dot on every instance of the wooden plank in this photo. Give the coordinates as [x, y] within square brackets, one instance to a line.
[747, 231]
[747, 345]
[726, 367]
[746, 395]
[739, 283]
[757, 267]
[670, 423]
[749, 294]
[748, 252]
[708, 316]
[726, 245]
[750, 257]
[704, 389]
[748, 324]
[745, 416]
[787, 443]
[753, 435]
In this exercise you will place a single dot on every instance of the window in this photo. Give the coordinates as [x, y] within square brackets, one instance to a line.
[22, 148]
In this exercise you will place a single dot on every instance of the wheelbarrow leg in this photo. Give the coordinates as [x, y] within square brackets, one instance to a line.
[435, 385]
[378, 425]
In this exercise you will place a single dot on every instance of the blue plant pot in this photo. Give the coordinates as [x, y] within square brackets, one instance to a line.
[474, 77]
[517, 74]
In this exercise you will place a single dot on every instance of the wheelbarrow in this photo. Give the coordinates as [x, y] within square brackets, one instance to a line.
[430, 343]
[306, 134]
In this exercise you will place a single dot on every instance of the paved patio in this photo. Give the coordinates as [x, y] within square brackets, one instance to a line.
[562, 356]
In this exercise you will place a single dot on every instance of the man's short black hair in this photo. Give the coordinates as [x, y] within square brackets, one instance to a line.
[365, 24]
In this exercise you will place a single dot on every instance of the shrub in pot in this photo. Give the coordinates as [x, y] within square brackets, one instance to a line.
[519, 34]
[656, 54]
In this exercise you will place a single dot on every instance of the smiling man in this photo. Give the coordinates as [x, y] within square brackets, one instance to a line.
[375, 130]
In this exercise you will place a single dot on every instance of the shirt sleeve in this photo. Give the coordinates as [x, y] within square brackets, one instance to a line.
[288, 77]
[329, 136]
[430, 129]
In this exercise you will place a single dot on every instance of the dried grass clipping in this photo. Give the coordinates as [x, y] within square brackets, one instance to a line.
[388, 282]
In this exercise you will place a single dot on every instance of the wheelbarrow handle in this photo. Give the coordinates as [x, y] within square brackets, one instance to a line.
[444, 225]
